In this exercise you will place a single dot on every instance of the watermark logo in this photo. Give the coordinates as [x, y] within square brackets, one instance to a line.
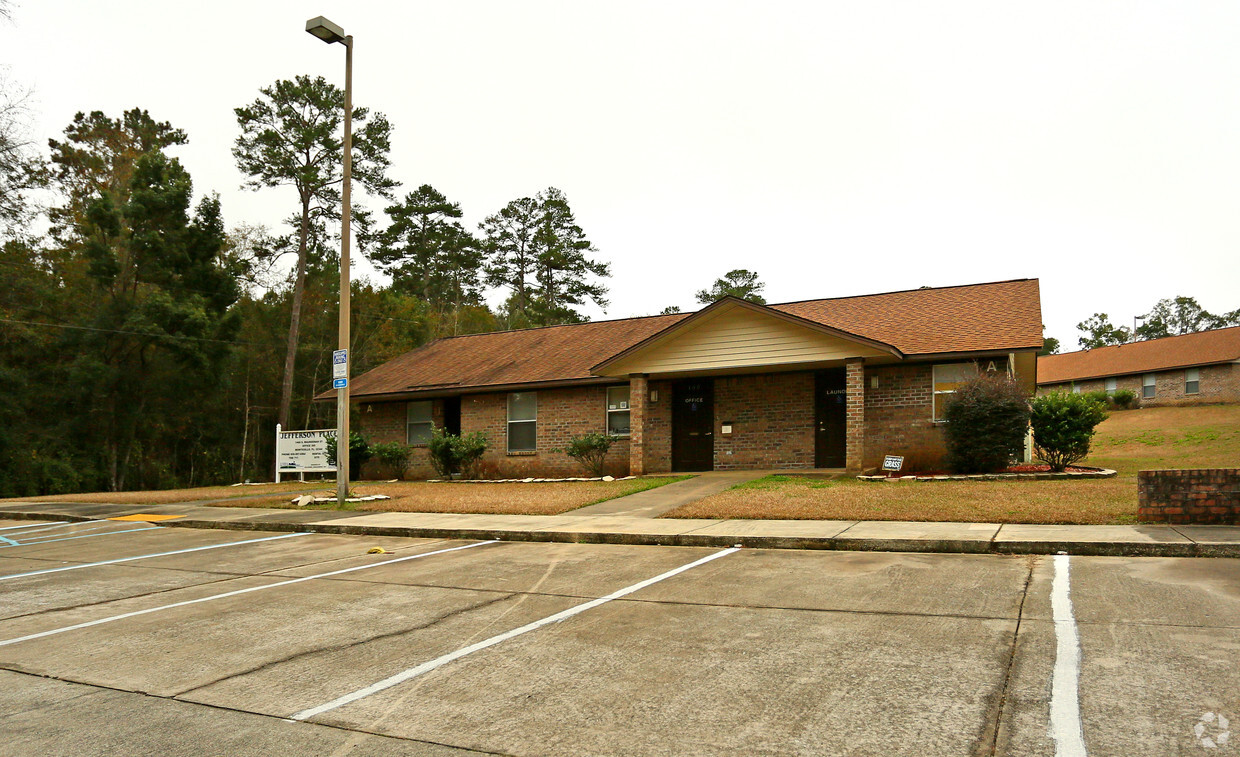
[1213, 730]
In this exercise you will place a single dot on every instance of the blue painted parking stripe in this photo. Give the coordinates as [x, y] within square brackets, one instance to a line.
[143, 557]
[36, 523]
[238, 592]
[70, 538]
[8, 541]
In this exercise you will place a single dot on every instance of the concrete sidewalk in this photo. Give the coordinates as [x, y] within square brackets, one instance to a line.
[885, 536]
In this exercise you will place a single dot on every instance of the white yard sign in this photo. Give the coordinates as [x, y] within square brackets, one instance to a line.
[303, 451]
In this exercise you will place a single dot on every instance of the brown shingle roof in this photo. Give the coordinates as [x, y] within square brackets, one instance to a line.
[1004, 315]
[1201, 348]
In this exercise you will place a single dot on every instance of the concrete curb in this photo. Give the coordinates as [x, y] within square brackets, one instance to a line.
[992, 545]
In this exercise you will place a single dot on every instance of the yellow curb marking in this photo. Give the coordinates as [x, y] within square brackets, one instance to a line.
[147, 517]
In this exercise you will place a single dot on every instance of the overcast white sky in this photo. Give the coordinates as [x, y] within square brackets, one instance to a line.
[837, 148]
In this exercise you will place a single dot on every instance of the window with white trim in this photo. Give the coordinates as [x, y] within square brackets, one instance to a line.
[1147, 386]
[618, 410]
[523, 422]
[1076, 388]
[1110, 385]
[418, 423]
[947, 379]
[1192, 380]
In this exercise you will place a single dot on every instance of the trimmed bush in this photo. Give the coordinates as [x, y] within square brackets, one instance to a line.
[590, 450]
[1124, 399]
[1100, 396]
[987, 420]
[359, 453]
[394, 456]
[1063, 425]
[451, 454]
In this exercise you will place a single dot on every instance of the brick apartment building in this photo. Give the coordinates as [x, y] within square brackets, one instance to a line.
[834, 383]
[1177, 370]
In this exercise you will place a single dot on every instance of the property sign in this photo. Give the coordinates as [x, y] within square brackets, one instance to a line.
[893, 462]
[340, 369]
[303, 451]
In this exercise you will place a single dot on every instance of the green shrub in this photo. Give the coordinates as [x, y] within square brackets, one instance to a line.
[359, 453]
[1063, 424]
[1124, 398]
[1100, 396]
[394, 456]
[456, 454]
[987, 421]
[590, 450]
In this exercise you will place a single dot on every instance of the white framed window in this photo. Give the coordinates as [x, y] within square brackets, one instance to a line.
[1147, 386]
[618, 410]
[418, 423]
[1110, 384]
[947, 379]
[523, 422]
[1076, 388]
[1192, 380]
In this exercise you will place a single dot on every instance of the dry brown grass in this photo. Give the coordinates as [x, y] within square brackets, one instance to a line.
[550, 498]
[171, 496]
[1188, 437]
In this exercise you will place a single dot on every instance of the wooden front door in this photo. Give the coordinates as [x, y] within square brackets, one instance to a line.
[693, 425]
[830, 419]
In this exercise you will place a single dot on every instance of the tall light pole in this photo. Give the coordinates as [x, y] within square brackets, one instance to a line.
[330, 33]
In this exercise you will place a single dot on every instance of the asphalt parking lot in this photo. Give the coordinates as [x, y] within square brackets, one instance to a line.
[123, 637]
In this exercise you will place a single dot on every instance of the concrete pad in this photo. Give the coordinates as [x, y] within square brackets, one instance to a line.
[109, 723]
[815, 529]
[200, 644]
[635, 678]
[1155, 590]
[90, 586]
[573, 570]
[982, 586]
[891, 535]
[1092, 540]
[620, 524]
[448, 521]
[83, 541]
[1211, 534]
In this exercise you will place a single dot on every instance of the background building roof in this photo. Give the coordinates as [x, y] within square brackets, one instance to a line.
[1201, 348]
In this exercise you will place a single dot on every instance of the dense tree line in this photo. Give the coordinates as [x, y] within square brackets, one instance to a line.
[145, 344]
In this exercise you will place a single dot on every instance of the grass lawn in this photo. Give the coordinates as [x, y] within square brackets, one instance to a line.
[550, 498]
[1128, 441]
[173, 496]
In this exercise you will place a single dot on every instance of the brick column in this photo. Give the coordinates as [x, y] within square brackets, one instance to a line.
[639, 393]
[854, 382]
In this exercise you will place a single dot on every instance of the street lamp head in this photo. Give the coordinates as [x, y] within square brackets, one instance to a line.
[325, 30]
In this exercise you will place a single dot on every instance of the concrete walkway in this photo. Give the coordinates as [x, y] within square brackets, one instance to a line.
[654, 502]
[887, 536]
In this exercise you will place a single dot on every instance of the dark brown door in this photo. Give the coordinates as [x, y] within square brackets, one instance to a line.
[693, 425]
[830, 420]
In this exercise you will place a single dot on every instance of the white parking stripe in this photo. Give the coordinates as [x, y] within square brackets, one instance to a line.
[36, 523]
[143, 557]
[92, 527]
[70, 538]
[238, 592]
[1065, 681]
[41, 526]
[427, 667]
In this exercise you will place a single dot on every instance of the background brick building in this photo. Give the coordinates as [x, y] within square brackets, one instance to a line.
[1177, 370]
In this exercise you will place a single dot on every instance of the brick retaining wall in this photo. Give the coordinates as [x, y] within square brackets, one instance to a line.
[1205, 496]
